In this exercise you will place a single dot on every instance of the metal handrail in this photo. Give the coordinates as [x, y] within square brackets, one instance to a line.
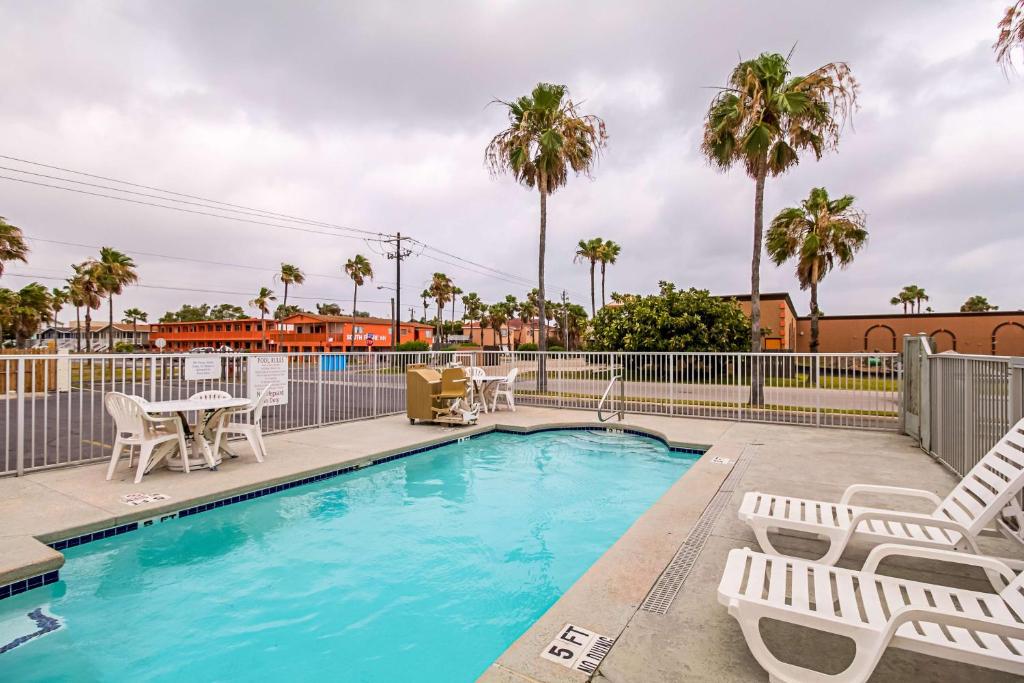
[622, 399]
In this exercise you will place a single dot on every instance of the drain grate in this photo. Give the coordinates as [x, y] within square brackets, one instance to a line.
[671, 580]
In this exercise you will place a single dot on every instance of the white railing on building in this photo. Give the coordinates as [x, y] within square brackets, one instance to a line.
[52, 413]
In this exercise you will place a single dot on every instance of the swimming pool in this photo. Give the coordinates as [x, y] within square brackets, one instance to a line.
[424, 568]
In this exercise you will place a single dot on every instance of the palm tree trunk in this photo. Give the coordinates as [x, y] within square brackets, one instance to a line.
[88, 328]
[110, 326]
[814, 307]
[542, 343]
[135, 331]
[603, 300]
[263, 330]
[593, 305]
[284, 304]
[78, 328]
[756, 371]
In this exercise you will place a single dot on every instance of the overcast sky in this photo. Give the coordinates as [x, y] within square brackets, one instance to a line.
[375, 115]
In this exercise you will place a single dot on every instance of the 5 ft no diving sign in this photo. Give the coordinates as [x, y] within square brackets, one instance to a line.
[578, 648]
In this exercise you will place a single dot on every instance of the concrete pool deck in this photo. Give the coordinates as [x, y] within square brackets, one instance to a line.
[695, 640]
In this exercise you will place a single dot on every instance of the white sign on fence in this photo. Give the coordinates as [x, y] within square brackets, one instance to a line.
[266, 369]
[202, 367]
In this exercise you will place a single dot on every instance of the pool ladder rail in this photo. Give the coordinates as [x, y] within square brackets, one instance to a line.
[616, 377]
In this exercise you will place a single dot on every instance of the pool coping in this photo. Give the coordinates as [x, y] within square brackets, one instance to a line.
[34, 561]
[613, 589]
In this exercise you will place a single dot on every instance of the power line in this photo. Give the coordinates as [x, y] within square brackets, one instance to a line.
[176, 194]
[178, 208]
[470, 266]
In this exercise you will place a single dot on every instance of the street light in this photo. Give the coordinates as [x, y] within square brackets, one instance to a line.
[395, 339]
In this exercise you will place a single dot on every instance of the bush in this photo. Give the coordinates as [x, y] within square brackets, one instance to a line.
[124, 347]
[527, 347]
[556, 347]
[672, 320]
[413, 346]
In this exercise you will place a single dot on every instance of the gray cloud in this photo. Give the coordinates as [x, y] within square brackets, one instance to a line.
[375, 115]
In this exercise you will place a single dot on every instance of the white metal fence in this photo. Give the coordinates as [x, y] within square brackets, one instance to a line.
[53, 413]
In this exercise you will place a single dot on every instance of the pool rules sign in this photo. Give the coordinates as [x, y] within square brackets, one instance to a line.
[578, 648]
[268, 370]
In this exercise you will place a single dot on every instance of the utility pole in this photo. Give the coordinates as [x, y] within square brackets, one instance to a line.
[397, 255]
[412, 313]
[565, 319]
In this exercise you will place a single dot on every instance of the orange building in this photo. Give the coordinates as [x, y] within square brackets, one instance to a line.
[313, 332]
[998, 333]
[300, 332]
[991, 333]
[778, 320]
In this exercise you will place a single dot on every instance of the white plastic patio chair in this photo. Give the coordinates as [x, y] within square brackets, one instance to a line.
[506, 388]
[136, 428]
[210, 395]
[231, 423]
[973, 504]
[876, 611]
[475, 375]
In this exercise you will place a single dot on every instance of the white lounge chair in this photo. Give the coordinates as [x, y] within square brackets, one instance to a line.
[251, 430]
[506, 388]
[876, 611]
[136, 428]
[954, 524]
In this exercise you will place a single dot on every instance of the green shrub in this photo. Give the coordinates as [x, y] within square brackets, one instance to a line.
[124, 347]
[527, 347]
[413, 346]
[556, 347]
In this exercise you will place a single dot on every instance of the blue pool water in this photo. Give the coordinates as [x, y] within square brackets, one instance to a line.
[421, 569]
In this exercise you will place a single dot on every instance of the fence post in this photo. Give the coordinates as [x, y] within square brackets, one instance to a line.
[816, 384]
[1016, 389]
[968, 411]
[321, 359]
[559, 363]
[376, 379]
[20, 431]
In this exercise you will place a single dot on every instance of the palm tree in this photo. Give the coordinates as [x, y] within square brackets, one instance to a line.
[32, 307]
[545, 139]
[455, 292]
[83, 293]
[919, 295]
[977, 304]
[289, 275]
[8, 301]
[133, 316]
[900, 300]
[528, 310]
[1011, 34]
[12, 244]
[262, 303]
[425, 295]
[440, 291]
[58, 297]
[609, 252]
[359, 269]
[763, 119]
[474, 310]
[113, 272]
[821, 233]
[590, 250]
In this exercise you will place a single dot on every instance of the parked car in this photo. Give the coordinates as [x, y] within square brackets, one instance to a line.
[203, 349]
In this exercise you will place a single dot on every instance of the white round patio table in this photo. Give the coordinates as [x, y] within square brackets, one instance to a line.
[484, 383]
[207, 411]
